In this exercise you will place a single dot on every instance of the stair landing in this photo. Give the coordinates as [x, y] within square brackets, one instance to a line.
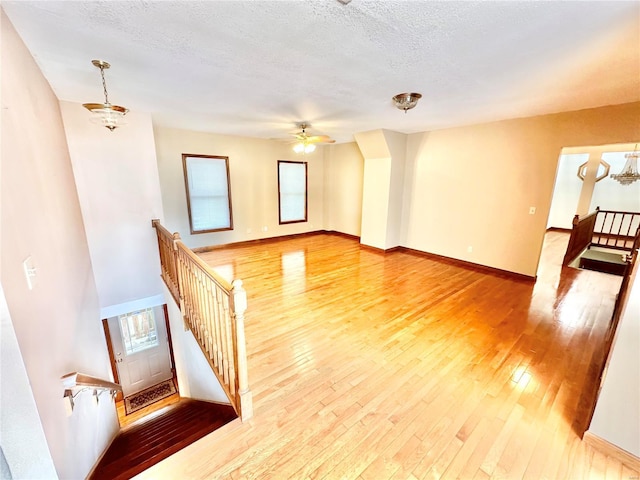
[602, 261]
[144, 444]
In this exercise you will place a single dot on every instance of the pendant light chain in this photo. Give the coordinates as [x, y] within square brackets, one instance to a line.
[104, 85]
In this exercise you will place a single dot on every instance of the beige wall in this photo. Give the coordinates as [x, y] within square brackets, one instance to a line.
[116, 175]
[57, 324]
[344, 171]
[254, 184]
[473, 186]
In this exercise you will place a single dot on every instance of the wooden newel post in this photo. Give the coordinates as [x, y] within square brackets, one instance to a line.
[238, 307]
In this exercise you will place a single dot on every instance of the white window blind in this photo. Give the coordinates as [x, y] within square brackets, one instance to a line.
[208, 193]
[292, 187]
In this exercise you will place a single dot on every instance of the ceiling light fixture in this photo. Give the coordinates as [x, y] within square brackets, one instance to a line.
[304, 147]
[406, 101]
[105, 114]
[629, 172]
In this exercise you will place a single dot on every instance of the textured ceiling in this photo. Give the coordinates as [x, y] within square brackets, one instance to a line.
[256, 68]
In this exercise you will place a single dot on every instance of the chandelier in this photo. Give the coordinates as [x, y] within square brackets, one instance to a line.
[629, 172]
[105, 114]
[406, 101]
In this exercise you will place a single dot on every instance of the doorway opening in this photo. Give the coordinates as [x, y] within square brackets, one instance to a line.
[142, 361]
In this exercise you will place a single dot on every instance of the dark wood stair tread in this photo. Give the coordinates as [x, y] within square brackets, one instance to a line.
[139, 447]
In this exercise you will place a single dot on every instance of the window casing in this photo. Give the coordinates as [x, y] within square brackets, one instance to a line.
[292, 191]
[206, 179]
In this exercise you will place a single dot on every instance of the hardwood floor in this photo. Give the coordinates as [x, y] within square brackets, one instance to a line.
[372, 366]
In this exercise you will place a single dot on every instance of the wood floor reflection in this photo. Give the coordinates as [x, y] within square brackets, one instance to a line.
[373, 366]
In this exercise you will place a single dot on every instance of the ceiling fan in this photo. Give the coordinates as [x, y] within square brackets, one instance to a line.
[305, 143]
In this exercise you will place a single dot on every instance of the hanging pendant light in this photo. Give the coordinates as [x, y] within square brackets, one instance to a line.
[629, 173]
[105, 114]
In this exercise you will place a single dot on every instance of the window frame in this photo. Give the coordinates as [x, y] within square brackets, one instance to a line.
[306, 193]
[185, 157]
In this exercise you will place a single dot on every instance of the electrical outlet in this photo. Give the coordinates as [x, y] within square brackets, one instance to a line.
[532, 210]
[469, 249]
[265, 228]
[248, 230]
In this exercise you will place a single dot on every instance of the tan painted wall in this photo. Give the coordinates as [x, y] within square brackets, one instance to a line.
[473, 186]
[344, 171]
[254, 184]
[57, 324]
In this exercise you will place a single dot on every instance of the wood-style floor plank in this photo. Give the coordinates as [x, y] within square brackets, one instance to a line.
[371, 366]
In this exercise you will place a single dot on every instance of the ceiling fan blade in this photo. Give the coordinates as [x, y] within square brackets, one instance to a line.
[320, 139]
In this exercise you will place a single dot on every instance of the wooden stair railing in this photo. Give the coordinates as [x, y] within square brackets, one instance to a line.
[616, 230]
[602, 228]
[213, 310]
[581, 235]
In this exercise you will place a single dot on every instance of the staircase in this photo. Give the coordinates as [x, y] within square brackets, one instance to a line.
[144, 444]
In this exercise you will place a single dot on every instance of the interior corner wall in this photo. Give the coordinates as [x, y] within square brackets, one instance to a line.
[343, 182]
[253, 168]
[375, 202]
[116, 175]
[57, 323]
[473, 186]
[397, 145]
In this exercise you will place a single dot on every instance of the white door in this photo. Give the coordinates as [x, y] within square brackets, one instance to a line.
[141, 349]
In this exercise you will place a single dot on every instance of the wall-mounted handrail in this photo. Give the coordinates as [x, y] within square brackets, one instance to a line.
[213, 310]
[75, 383]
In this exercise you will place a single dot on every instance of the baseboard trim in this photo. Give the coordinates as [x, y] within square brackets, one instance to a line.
[341, 234]
[432, 256]
[470, 265]
[607, 448]
[381, 251]
[255, 241]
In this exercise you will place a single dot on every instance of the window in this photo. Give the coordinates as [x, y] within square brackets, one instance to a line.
[138, 331]
[206, 180]
[292, 191]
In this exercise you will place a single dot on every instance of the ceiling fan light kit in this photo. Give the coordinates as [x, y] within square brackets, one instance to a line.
[406, 101]
[306, 143]
[105, 114]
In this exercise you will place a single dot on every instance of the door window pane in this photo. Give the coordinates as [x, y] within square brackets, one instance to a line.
[138, 331]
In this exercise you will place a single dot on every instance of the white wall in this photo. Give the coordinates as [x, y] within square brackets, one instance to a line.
[21, 436]
[57, 324]
[609, 194]
[343, 181]
[566, 190]
[254, 184]
[617, 417]
[116, 174]
[195, 377]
